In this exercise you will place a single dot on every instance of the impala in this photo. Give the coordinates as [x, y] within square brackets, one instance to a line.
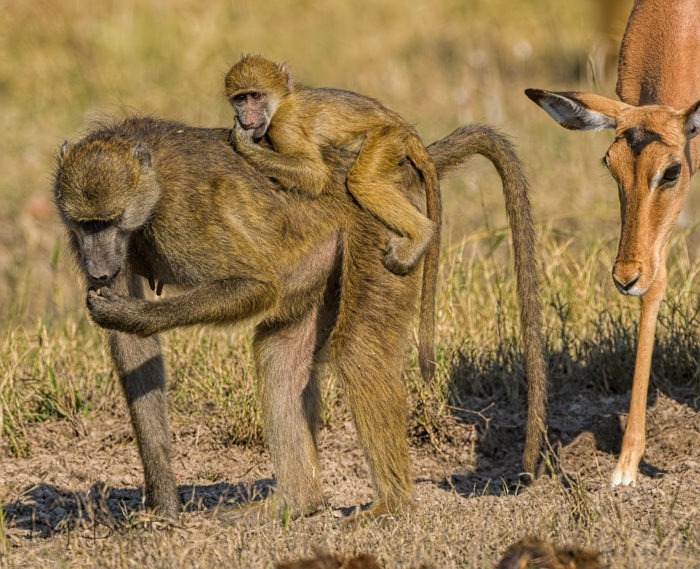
[651, 159]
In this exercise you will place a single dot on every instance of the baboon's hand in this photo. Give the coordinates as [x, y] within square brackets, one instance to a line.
[240, 136]
[115, 312]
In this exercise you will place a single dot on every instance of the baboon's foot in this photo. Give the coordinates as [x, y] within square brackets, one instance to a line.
[380, 512]
[165, 505]
[534, 552]
[403, 253]
[333, 561]
[148, 520]
[272, 508]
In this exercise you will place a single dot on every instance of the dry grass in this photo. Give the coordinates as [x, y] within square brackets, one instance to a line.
[70, 472]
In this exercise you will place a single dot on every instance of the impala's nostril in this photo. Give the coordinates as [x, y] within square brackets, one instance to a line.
[626, 283]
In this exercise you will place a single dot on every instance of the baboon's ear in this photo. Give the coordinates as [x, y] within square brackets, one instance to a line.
[577, 111]
[692, 121]
[65, 147]
[287, 73]
[142, 154]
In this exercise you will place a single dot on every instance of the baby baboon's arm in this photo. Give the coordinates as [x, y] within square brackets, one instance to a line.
[295, 163]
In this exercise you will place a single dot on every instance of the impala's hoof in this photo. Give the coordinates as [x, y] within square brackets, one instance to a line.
[624, 477]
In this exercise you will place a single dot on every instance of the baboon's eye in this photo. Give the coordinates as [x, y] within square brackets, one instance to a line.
[238, 99]
[95, 226]
[256, 96]
[671, 174]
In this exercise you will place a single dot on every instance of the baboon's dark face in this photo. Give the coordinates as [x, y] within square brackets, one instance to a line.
[104, 190]
[101, 248]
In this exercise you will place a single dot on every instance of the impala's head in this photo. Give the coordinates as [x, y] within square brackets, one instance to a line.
[651, 164]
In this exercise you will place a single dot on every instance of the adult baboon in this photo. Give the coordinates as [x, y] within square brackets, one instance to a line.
[175, 204]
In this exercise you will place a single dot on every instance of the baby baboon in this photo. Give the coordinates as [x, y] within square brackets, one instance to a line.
[153, 199]
[298, 121]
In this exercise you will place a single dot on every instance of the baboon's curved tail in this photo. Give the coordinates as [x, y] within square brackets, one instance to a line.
[449, 153]
[433, 206]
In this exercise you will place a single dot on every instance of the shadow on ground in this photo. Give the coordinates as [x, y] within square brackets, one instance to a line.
[588, 404]
[44, 509]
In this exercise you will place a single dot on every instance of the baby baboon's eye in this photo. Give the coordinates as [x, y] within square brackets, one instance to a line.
[256, 96]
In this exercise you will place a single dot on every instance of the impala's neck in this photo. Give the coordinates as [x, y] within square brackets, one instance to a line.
[660, 57]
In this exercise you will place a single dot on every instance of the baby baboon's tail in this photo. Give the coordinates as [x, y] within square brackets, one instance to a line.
[433, 205]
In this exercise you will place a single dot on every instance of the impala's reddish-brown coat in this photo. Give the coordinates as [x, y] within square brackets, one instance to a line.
[655, 152]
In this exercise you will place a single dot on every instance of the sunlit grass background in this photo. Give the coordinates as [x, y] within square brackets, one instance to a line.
[64, 65]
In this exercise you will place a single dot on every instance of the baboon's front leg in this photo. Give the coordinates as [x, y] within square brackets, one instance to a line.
[139, 363]
[634, 439]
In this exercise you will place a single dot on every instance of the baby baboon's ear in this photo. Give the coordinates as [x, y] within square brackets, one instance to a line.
[287, 72]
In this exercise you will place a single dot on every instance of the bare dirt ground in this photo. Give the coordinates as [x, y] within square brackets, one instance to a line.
[77, 500]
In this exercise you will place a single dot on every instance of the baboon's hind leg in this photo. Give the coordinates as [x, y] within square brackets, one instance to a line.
[368, 346]
[291, 401]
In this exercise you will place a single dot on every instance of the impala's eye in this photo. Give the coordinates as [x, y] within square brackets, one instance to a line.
[671, 174]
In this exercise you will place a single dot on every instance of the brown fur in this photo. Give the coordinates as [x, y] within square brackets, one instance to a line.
[655, 152]
[158, 200]
[533, 553]
[299, 120]
[528, 553]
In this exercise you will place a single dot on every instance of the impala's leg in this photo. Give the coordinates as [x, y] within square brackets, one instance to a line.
[634, 440]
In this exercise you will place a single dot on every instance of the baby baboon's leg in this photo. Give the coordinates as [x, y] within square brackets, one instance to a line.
[139, 364]
[291, 400]
[375, 182]
[368, 346]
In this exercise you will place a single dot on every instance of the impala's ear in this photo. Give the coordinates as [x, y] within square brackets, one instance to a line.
[692, 121]
[578, 111]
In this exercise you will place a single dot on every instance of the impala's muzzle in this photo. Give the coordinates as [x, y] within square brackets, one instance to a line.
[626, 276]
